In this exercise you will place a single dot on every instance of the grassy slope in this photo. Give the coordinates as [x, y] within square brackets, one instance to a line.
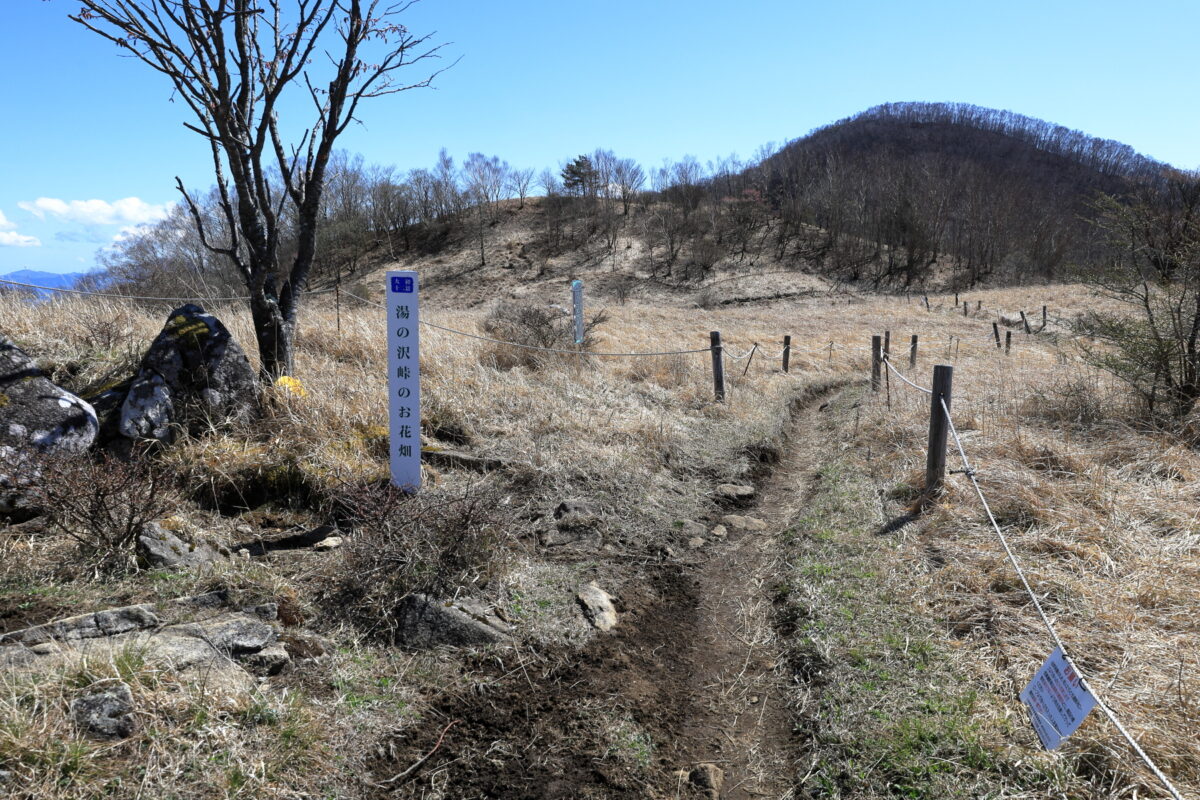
[920, 637]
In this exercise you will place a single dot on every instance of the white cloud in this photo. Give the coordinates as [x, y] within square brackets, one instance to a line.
[129, 232]
[14, 239]
[5, 225]
[129, 211]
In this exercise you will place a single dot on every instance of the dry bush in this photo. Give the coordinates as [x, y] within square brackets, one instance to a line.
[101, 504]
[537, 326]
[406, 544]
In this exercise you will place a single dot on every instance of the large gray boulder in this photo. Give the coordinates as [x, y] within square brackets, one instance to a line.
[36, 415]
[158, 547]
[426, 622]
[193, 374]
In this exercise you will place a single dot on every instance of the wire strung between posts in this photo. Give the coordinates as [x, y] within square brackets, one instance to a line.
[535, 347]
[900, 375]
[139, 297]
[1012, 559]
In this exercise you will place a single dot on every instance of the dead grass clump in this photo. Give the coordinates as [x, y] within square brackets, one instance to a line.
[1078, 402]
[402, 544]
[536, 326]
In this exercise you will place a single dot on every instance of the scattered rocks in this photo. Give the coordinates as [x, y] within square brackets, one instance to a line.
[598, 607]
[193, 373]
[158, 547]
[86, 626]
[708, 778]
[690, 528]
[744, 523]
[719, 532]
[329, 543]
[735, 493]
[425, 622]
[106, 713]
[696, 542]
[37, 415]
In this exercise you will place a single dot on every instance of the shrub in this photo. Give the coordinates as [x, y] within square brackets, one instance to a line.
[533, 325]
[101, 503]
[412, 544]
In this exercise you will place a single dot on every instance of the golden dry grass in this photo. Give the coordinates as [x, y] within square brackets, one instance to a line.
[1102, 515]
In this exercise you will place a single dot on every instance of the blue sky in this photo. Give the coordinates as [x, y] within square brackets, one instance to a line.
[90, 144]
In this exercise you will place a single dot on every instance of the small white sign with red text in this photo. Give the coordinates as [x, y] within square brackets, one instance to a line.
[1057, 700]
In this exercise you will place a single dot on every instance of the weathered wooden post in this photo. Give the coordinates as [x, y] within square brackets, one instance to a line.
[965, 307]
[1025, 322]
[1043, 318]
[876, 361]
[927, 308]
[1007, 342]
[978, 305]
[787, 352]
[996, 333]
[887, 344]
[912, 352]
[935, 461]
[718, 362]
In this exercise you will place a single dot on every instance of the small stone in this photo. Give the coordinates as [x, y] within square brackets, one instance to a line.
[105, 714]
[735, 492]
[753, 699]
[719, 532]
[744, 523]
[598, 607]
[696, 542]
[270, 660]
[159, 547]
[328, 543]
[690, 529]
[244, 554]
[709, 778]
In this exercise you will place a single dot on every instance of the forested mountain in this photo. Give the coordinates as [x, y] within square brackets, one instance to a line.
[893, 192]
[900, 196]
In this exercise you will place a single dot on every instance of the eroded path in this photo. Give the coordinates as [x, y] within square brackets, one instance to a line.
[685, 698]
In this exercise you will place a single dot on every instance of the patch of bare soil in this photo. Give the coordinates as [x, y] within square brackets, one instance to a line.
[691, 676]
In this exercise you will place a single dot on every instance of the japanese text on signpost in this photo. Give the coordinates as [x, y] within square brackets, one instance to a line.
[404, 383]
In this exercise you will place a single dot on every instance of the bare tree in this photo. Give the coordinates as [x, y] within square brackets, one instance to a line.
[234, 64]
[484, 179]
[519, 181]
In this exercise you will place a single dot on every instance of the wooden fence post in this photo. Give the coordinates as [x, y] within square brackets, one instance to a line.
[978, 305]
[876, 361]
[787, 352]
[996, 333]
[1007, 342]
[1025, 322]
[912, 352]
[935, 462]
[887, 343]
[1043, 318]
[966, 305]
[718, 362]
[927, 308]
[956, 299]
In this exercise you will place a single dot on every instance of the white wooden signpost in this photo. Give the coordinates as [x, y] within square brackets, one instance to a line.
[577, 303]
[404, 379]
[1057, 700]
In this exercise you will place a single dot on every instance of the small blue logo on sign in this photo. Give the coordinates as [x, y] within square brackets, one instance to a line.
[402, 285]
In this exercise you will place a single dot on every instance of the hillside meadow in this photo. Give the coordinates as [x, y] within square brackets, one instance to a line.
[1099, 509]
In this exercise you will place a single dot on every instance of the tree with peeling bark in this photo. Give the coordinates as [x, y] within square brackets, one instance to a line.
[235, 64]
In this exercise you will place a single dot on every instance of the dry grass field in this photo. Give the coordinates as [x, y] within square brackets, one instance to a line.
[1100, 511]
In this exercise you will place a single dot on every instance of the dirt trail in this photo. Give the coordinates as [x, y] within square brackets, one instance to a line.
[693, 667]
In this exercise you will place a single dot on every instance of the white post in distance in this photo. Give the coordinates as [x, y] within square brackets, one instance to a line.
[577, 303]
[404, 379]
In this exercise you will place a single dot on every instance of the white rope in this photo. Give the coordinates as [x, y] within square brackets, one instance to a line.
[534, 347]
[139, 297]
[900, 375]
[1108, 712]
